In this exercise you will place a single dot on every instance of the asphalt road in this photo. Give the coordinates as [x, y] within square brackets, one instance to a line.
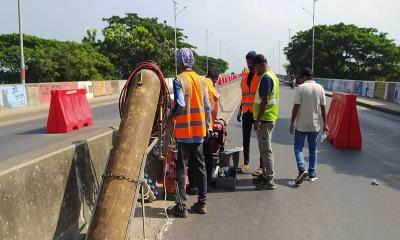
[31, 138]
[341, 204]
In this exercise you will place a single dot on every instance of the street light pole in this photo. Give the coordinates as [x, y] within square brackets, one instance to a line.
[220, 49]
[313, 34]
[21, 44]
[313, 38]
[175, 29]
[290, 30]
[175, 47]
[279, 57]
[207, 37]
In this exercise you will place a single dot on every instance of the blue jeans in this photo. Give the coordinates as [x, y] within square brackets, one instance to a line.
[299, 139]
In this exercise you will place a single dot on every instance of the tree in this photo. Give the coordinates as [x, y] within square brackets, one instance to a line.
[346, 51]
[131, 39]
[201, 64]
[52, 60]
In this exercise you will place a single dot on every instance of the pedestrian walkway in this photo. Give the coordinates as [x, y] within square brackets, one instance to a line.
[341, 204]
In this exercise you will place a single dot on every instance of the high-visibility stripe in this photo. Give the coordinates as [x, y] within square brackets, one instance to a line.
[248, 94]
[193, 110]
[247, 104]
[189, 124]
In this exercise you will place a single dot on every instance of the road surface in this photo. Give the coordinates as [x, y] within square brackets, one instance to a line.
[31, 138]
[341, 204]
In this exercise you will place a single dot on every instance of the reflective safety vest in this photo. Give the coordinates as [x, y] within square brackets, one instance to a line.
[191, 121]
[271, 111]
[213, 97]
[248, 93]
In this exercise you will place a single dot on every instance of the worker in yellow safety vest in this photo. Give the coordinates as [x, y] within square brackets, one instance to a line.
[191, 115]
[249, 86]
[265, 113]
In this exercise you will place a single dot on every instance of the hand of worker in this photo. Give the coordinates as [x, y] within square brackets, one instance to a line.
[257, 125]
[326, 129]
[291, 128]
[239, 117]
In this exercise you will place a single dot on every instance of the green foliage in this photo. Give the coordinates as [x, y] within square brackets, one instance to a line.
[131, 39]
[346, 51]
[51, 60]
[201, 64]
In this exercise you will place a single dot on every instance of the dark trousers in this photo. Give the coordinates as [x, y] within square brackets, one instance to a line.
[208, 158]
[190, 154]
[247, 126]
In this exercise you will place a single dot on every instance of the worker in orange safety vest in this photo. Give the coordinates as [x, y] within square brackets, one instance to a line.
[191, 115]
[249, 86]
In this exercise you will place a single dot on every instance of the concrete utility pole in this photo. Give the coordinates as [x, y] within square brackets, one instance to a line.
[290, 30]
[21, 44]
[112, 214]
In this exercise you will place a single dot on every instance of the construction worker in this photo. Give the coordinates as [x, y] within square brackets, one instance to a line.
[213, 96]
[191, 116]
[249, 86]
[266, 109]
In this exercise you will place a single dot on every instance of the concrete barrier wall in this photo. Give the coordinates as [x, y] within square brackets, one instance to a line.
[13, 96]
[41, 198]
[387, 91]
[37, 94]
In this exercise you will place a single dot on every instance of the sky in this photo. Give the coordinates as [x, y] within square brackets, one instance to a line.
[237, 25]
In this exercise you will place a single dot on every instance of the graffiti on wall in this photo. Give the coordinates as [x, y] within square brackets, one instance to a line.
[45, 89]
[12, 96]
[393, 92]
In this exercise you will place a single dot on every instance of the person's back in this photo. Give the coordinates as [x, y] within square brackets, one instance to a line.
[310, 95]
[309, 103]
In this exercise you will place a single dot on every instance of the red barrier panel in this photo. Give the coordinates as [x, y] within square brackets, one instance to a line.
[69, 110]
[344, 128]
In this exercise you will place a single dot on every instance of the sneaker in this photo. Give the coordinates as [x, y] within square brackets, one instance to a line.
[259, 179]
[312, 178]
[258, 172]
[266, 185]
[300, 178]
[244, 168]
[177, 212]
[199, 208]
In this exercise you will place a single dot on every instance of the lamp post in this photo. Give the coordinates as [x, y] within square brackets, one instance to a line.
[21, 44]
[313, 34]
[175, 47]
[207, 37]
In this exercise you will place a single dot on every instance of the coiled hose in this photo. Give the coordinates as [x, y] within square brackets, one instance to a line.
[164, 101]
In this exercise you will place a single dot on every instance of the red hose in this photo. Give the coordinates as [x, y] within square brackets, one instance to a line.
[164, 100]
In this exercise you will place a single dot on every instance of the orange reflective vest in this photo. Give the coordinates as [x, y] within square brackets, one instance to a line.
[191, 122]
[248, 93]
[213, 97]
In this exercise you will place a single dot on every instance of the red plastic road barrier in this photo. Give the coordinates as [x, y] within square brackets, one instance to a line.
[69, 110]
[344, 127]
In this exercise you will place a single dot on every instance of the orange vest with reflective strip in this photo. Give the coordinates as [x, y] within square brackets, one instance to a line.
[213, 97]
[191, 122]
[249, 93]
